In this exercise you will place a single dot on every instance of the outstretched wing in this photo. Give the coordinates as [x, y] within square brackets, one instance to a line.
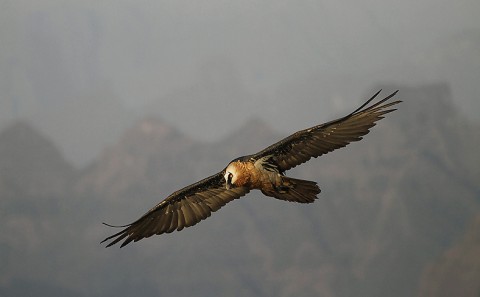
[184, 208]
[316, 141]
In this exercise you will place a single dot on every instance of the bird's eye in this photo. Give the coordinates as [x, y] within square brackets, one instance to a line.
[229, 178]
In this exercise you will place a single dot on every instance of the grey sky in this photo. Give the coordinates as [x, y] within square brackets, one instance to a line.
[208, 66]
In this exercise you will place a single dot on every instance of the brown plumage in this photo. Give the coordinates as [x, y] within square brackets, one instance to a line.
[264, 171]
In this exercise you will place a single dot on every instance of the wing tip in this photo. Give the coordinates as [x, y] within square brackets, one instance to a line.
[363, 106]
[119, 235]
[117, 240]
[116, 226]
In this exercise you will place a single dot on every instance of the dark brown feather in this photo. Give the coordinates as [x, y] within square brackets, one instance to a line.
[184, 208]
[318, 140]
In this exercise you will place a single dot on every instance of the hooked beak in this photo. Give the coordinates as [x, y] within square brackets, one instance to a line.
[229, 182]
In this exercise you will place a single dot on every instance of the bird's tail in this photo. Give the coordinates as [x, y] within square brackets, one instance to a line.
[295, 190]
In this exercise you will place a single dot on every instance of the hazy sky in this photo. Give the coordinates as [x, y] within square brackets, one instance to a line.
[208, 66]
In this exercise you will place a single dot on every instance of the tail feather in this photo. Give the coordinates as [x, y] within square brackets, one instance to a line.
[295, 190]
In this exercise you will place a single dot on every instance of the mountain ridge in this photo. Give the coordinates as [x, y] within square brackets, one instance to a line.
[384, 214]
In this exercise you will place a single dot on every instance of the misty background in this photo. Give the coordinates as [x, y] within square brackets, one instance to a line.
[108, 106]
[207, 67]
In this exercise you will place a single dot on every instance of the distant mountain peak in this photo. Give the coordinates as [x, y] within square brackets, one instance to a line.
[154, 132]
[30, 158]
[255, 125]
[152, 126]
[20, 131]
[23, 140]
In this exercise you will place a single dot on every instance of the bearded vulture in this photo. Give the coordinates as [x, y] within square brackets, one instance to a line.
[264, 171]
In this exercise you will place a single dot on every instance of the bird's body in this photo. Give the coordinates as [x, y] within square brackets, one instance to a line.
[264, 171]
[261, 174]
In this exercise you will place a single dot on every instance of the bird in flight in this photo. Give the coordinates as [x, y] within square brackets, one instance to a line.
[264, 171]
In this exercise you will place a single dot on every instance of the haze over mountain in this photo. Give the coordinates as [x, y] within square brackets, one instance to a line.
[456, 272]
[392, 206]
[106, 64]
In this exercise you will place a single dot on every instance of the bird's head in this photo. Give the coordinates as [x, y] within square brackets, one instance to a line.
[231, 176]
